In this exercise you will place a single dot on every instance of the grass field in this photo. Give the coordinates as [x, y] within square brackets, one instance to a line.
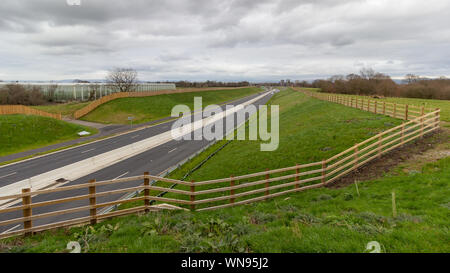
[444, 105]
[151, 108]
[319, 220]
[24, 132]
[66, 109]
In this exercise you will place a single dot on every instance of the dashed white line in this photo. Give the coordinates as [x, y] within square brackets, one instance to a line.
[135, 136]
[172, 150]
[8, 175]
[120, 176]
[88, 151]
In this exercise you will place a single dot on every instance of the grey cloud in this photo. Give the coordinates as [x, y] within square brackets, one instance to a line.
[218, 39]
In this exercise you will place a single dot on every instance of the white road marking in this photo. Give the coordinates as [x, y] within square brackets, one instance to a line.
[9, 230]
[120, 176]
[8, 175]
[172, 150]
[88, 151]
[89, 165]
[135, 136]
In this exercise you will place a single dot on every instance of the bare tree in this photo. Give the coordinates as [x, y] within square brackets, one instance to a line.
[411, 78]
[123, 79]
[367, 73]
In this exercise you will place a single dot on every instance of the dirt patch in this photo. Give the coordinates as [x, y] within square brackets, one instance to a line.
[410, 158]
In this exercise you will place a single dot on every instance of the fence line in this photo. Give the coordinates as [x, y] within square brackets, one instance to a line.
[92, 106]
[396, 110]
[217, 193]
[22, 109]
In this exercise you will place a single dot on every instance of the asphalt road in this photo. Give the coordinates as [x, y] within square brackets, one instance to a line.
[155, 161]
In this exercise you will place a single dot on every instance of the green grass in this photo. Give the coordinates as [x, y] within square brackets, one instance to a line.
[444, 105]
[19, 133]
[310, 130]
[66, 109]
[152, 108]
[320, 220]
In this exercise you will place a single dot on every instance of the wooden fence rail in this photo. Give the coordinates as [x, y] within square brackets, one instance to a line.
[396, 110]
[93, 105]
[217, 193]
[22, 109]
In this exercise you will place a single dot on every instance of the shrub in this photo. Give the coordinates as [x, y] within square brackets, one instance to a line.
[19, 94]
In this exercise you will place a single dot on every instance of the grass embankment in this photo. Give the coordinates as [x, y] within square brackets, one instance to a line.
[319, 220]
[152, 108]
[310, 130]
[19, 133]
[444, 105]
[66, 109]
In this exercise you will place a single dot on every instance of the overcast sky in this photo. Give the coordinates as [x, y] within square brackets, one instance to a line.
[252, 40]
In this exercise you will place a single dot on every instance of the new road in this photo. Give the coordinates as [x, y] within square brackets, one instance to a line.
[144, 150]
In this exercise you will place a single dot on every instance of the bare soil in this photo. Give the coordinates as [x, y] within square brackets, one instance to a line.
[408, 158]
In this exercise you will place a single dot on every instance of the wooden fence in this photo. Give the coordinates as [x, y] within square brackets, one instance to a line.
[396, 110]
[22, 109]
[90, 107]
[218, 193]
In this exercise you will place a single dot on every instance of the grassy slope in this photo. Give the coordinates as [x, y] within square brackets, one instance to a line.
[310, 131]
[21, 132]
[156, 107]
[66, 109]
[319, 220]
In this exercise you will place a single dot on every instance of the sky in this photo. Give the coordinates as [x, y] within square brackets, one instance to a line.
[227, 40]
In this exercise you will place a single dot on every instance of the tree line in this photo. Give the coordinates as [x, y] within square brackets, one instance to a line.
[371, 83]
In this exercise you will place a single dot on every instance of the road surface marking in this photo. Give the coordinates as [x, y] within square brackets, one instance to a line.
[120, 176]
[110, 136]
[8, 175]
[135, 136]
[92, 164]
[11, 229]
[88, 150]
[172, 150]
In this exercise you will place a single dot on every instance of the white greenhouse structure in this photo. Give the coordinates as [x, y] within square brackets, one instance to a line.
[86, 91]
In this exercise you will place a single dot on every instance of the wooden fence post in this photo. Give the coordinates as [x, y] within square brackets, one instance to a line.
[384, 108]
[356, 156]
[406, 112]
[375, 107]
[192, 196]
[297, 171]
[368, 105]
[356, 100]
[437, 118]
[267, 183]
[27, 212]
[324, 171]
[395, 110]
[232, 190]
[421, 121]
[147, 192]
[93, 202]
